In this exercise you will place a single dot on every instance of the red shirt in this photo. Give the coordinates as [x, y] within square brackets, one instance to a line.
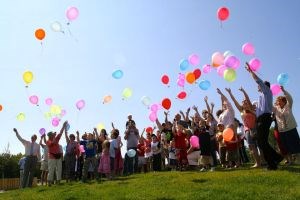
[141, 149]
[53, 146]
[180, 141]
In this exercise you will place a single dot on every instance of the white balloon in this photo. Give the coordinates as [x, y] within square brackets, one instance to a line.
[146, 100]
[56, 26]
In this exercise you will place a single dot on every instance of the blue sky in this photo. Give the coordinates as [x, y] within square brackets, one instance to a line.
[145, 39]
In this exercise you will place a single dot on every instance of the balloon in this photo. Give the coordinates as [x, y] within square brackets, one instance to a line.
[197, 73]
[154, 107]
[227, 53]
[152, 116]
[47, 115]
[283, 79]
[230, 75]
[72, 13]
[230, 61]
[223, 13]
[180, 82]
[1, 107]
[55, 110]
[127, 92]
[28, 77]
[34, 99]
[228, 134]
[275, 88]
[80, 104]
[49, 101]
[100, 126]
[107, 99]
[56, 26]
[55, 121]
[181, 76]
[204, 84]
[42, 131]
[165, 79]
[40, 34]
[221, 70]
[237, 64]
[217, 59]
[248, 49]
[194, 60]
[254, 64]
[63, 113]
[146, 100]
[81, 149]
[166, 103]
[131, 153]
[190, 77]
[184, 64]
[181, 95]
[21, 117]
[117, 74]
[149, 129]
[206, 68]
[194, 141]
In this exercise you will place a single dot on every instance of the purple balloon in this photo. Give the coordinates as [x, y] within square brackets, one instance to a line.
[231, 61]
[42, 131]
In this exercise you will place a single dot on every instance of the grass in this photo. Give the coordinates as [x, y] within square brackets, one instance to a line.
[244, 183]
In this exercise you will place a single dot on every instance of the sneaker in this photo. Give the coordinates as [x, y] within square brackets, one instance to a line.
[212, 169]
[202, 170]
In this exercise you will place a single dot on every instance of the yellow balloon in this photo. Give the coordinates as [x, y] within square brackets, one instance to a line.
[21, 117]
[107, 99]
[100, 126]
[28, 77]
[55, 110]
[47, 115]
[127, 92]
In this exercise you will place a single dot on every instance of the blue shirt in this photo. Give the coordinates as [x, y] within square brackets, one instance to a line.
[90, 147]
[265, 102]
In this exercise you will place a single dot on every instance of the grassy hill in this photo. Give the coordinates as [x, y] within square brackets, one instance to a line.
[243, 183]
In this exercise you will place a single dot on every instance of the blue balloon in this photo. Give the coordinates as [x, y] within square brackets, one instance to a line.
[184, 64]
[204, 84]
[131, 153]
[283, 79]
[117, 74]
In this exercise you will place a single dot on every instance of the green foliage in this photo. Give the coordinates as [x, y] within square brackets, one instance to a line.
[9, 167]
[243, 183]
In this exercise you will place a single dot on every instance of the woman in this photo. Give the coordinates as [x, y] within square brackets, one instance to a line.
[287, 125]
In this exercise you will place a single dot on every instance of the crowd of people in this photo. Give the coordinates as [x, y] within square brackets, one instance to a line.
[171, 144]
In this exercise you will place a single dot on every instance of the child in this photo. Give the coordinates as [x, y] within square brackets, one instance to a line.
[205, 147]
[104, 166]
[232, 150]
[44, 163]
[155, 148]
[21, 165]
[222, 147]
[118, 156]
[172, 155]
[141, 153]
[148, 152]
[180, 145]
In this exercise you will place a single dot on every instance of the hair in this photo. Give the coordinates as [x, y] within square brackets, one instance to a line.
[105, 144]
[72, 136]
[115, 133]
[267, 83]
[103, 131]
[219, 112]
[282, 98]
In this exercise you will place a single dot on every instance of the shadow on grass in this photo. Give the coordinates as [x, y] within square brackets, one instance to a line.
[292, 169]
[165, 198]
[199, 180]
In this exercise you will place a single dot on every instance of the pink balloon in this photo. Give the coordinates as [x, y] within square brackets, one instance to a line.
[232, 62]
[49, 101]
[181, 76]
[63, 113]
[254, 64]
[81, 149]
[180, 82]
[217, 59]
[194, 60]
[275, 88]
[221, 70]
[152, 116]
[194, 141]
[206, 68]
[72, 13]
[55, 121]
[154, 107]
[80, 104]
[34, 99]
[248, 49]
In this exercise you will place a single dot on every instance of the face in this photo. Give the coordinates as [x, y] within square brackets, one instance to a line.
[220, 127]
[177, 117]
[33, 138]
[246, 105]
[224, 106]
[129, 117]
[204, 114]
[258, 88]
[280, 103]
[90, 136]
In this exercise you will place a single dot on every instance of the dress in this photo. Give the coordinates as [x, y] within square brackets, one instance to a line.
[104, 166]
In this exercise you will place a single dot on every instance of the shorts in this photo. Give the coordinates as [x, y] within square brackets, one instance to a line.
[250, 137]
[44, 165]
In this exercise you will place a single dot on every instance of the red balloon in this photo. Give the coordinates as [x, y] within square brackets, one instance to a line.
[223, 13]
[149, 129]
[166, 103]
[165, 79]
[181, 95]
[197, 73]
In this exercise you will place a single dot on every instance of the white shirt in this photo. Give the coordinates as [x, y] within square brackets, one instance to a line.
[227, 116]
[27, 145]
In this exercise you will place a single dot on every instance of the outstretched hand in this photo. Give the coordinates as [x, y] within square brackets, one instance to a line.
[219, 91]
[228, 90]
[247, 67]
[241, 89]
[15, 130]
[205, 98]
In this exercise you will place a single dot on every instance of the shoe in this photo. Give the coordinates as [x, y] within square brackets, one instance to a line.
[212, 169]
[277, 161]
[202, 170]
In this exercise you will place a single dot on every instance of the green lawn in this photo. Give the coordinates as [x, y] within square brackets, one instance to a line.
[242, 184]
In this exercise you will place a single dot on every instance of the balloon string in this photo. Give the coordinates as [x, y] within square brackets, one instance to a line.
[71, 32]
[42, 48]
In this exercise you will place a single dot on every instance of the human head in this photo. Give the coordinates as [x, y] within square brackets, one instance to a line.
[51, 135]
[33, 138]
[204, 114]
[72, 137]
[177, 117]
[246, 105]
[114, 133]
[154, 138]
[129, 117]
[218, 113]
[105, 144]
[281, 101]
[267, 83]
[220, 127]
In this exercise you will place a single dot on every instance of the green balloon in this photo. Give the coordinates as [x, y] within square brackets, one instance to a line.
[230, 75]
[127, 92]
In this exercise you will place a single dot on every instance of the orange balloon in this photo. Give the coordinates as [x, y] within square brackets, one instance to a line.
[1, 108]
[228, 134]
[40, 34]
[190, 77]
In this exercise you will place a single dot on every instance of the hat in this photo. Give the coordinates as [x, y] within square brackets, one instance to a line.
[49, 134]
[220, 123]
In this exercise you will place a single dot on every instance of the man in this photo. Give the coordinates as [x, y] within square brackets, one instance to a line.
[264, 120]
[132, 137]
[33, 154]
[54, 161]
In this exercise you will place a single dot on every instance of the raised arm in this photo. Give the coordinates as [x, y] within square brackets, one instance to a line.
[212, 107]
[66, 136]
[166, 116]
[236, 103]
[245, 95]
[182, 114]
[158, 124]
[254, 76]
[187, 115]
[18, 136]
[41, 141]
[287, 96]
[223, 98]
[96, 133]
[77, 136]
[206, 103]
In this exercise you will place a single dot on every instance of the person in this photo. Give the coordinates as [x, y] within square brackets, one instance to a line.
[44, 163]
[172, 155]
[264, 120]
[141, 153]
[72, 151]
[54, 154]
[156, 152]
[179, 134]
[118, 156]
[222, 147]
[132, 137]
[104, 165]
[21, 167]
[33, 155]
[113, 147]
[205, 147]
[227, 114]
[129, 120]
[287, 125]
